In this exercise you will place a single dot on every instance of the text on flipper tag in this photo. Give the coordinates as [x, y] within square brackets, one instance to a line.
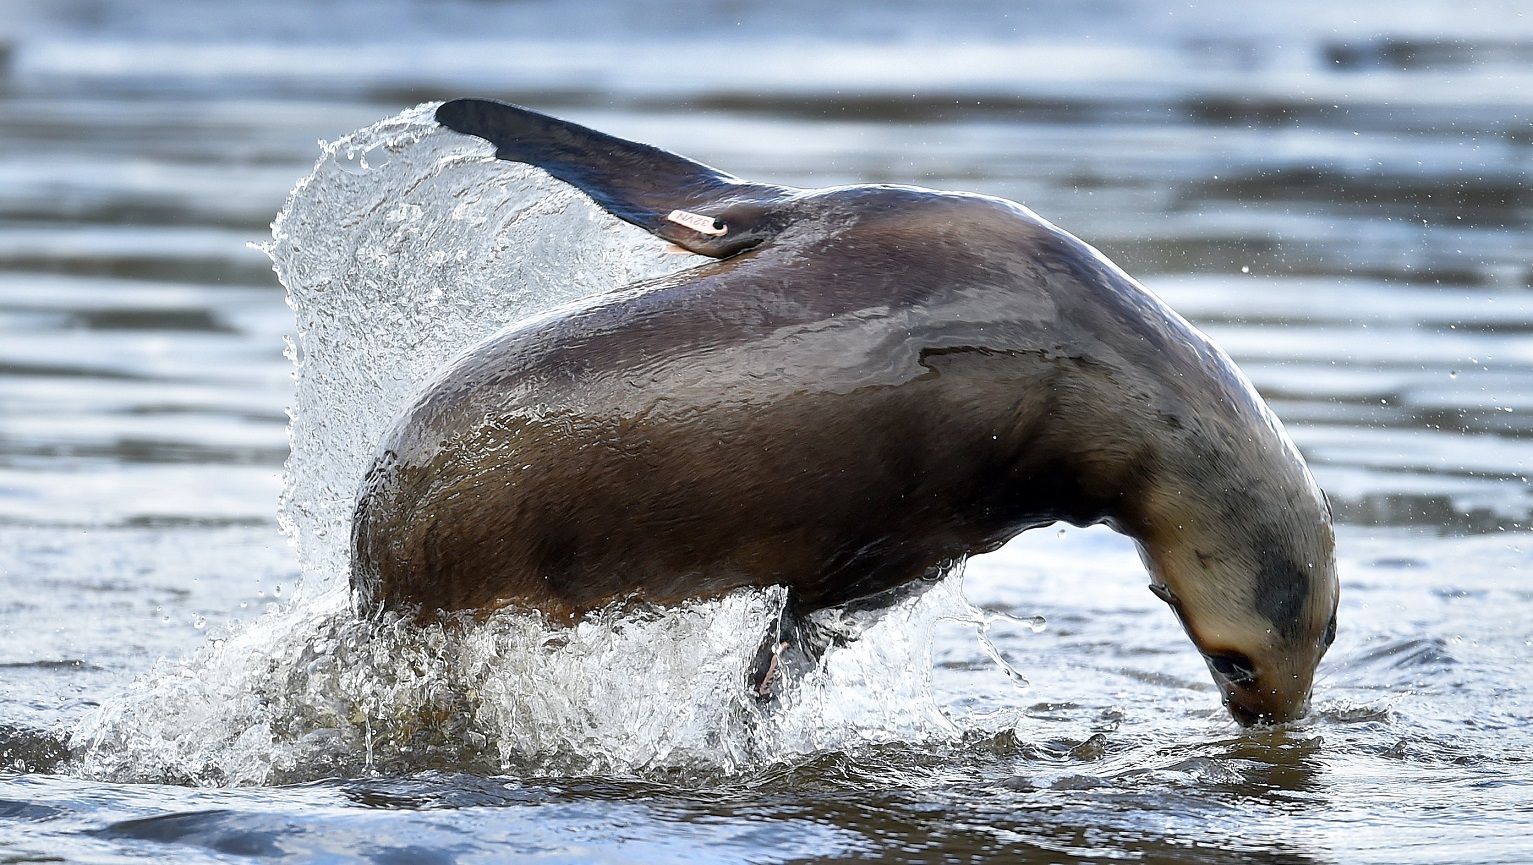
[697, 222]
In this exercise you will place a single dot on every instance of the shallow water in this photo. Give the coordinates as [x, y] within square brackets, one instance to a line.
[1337, 195]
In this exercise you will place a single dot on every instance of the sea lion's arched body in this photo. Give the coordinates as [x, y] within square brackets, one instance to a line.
[874, 382]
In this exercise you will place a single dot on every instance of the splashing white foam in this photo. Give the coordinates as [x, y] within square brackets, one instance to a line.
[407, 244]
[311, 690]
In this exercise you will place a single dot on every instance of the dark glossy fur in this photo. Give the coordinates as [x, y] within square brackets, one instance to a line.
[873, 381]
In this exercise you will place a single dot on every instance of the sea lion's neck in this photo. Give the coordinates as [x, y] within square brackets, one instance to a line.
[1236, 535]
[1217, 484]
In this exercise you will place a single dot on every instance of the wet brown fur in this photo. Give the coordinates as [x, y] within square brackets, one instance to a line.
[881, 380]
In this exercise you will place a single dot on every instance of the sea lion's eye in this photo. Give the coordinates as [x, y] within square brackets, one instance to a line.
[1330, 632]
[1236, 669]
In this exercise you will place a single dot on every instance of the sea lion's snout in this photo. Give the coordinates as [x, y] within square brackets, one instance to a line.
[1255, 699]
[1263, 677]
[1273, 685]
[1261, 654]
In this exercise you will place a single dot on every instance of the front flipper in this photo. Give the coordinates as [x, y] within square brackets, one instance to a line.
[794, 643]
[696, 207]
[790, 649]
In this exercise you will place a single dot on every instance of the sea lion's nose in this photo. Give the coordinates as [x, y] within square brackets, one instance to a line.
[1232, 668]
[1250, 699]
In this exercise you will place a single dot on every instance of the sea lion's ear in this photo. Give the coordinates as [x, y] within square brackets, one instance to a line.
[696, 207]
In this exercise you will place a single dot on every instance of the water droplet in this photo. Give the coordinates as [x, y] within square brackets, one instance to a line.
[200, 622]
[277, 592]
[1037, 624]
[1245, 268]
[1062, 534]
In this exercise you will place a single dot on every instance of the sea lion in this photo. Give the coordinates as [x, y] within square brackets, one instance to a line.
[871, 383]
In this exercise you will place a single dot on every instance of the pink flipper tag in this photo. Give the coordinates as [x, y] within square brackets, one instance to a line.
[697, 222]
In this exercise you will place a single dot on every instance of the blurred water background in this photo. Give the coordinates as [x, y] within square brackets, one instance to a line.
[1338, 193]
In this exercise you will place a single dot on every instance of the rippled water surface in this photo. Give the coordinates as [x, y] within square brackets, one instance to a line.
[1337, 193]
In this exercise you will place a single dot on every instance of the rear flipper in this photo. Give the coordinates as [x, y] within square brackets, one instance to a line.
[697, 207]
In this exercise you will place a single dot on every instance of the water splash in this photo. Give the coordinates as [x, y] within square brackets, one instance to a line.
[312, 690]
[406, 245]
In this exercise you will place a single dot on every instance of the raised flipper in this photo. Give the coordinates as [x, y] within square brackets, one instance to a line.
[696, 207]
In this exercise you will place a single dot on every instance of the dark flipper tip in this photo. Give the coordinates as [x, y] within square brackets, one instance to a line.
[635, 182]
[471, 116]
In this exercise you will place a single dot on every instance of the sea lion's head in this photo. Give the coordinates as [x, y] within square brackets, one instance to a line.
[1261, 618]
[1248, 564]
